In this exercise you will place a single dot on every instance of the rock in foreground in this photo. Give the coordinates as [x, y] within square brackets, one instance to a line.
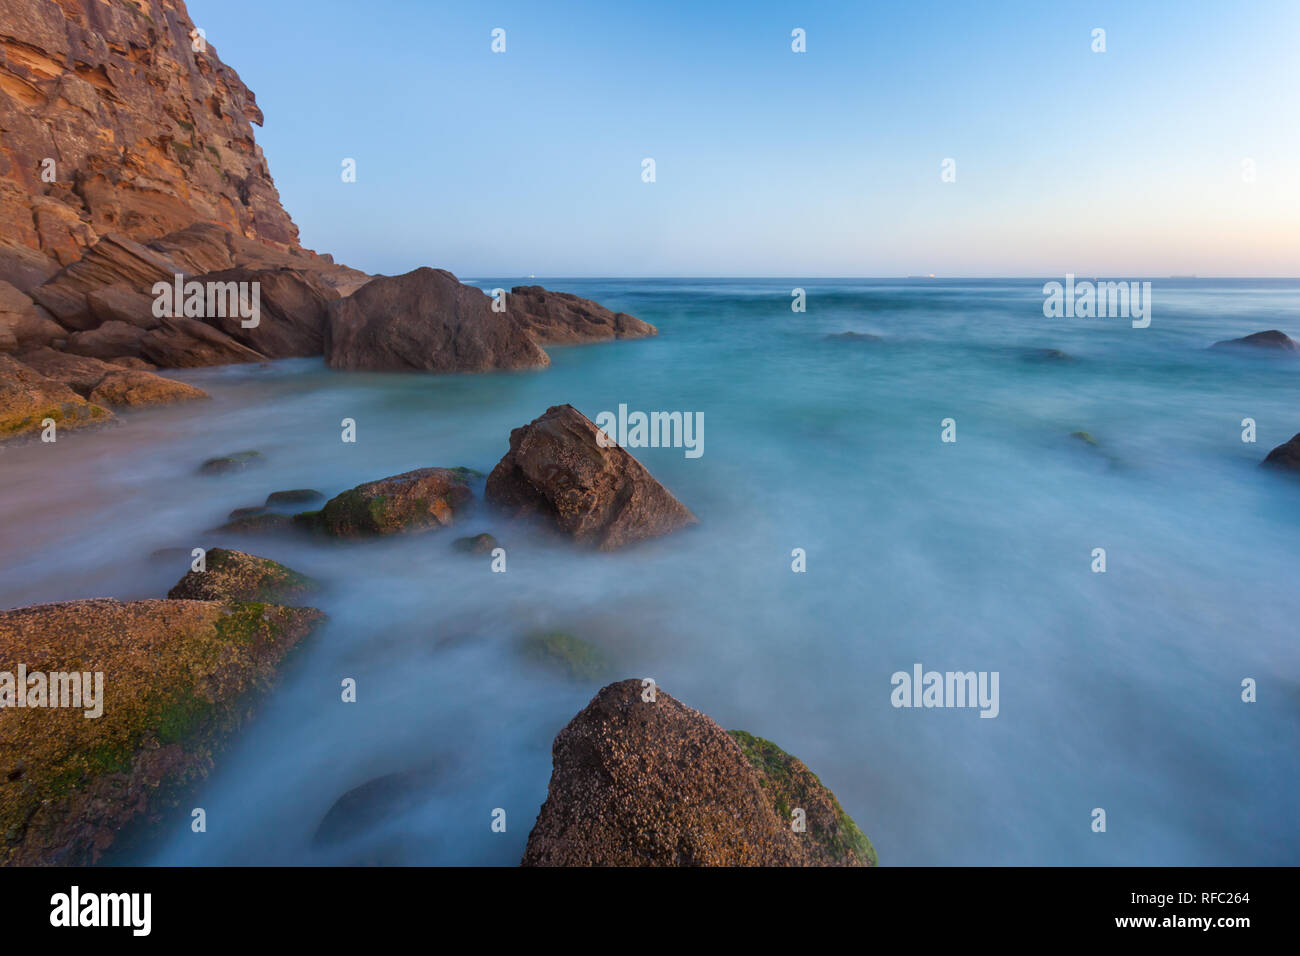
[28, 398]
[425, 320]
[178, 677]
[655, 783]
[601, 497]
[1285, 456]
[1272, 339]
[419, 500]
[559, 318]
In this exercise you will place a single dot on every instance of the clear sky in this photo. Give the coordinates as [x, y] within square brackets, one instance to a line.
[770, 163]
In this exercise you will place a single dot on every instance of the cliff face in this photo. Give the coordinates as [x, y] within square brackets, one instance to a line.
[147, 135]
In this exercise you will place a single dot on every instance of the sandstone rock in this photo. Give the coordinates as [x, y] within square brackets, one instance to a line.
[23, 323]
[119, 304]
[601, 497]
[27, 398]
[1272, 340]
[114, 261]
[425, 320]
[132, 388]
[236, 576]
[22, 266]
[189, 343]
[105, 383]
[107, 340]
[655, 783]
[559, 318]
[1286, 456]
[420, 500]
[293, 311]
[131, 362]
[178, 677]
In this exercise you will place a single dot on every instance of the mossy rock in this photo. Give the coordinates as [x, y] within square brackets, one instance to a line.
[1085, 437]
[179, 677]
[566, 654]
[789, 785]
[236, 576]
[476, 544]
[245, 513]
[226, 464]
[422, 500]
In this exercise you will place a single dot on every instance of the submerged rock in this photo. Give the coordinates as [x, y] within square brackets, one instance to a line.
[1285, 456]
[1047, 355]
[236, 576]
[178, 679]
[476, 544]
[425, 320]
[28, 398]
[569, 655]
[559, 318]
[601, 497]
[257, 522]
[225, 464]
[419, 500]
[374, 803]
[294, 496]
[1084, 437]
[655, 783]
[1271, 340]
[853, 337]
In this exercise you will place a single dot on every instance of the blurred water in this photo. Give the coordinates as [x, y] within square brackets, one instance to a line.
[1118, 690]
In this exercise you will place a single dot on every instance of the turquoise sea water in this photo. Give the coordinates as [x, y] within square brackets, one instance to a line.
[1118, 690]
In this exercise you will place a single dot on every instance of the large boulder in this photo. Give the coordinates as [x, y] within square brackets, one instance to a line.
[113, 261]
[28, 398]
[107, 341]
[1272, 340]
[293, 311]
[236, 576]
[122, 305]
[651, 782]
[420, 500]
[178, 676]
[1285, 457]
[559, 318]
[189, 343]
[557, 471]
[426, 321]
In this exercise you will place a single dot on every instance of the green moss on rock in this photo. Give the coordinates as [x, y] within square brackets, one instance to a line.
[569, 655]
[236, 576]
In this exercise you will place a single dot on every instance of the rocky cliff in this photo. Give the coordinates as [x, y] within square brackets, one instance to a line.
[117, 116]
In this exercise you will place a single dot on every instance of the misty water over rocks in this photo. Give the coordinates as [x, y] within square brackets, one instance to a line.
[1118, 690]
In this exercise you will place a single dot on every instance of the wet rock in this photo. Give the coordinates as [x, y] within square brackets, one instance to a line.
[262, 522]
[178, 677]
[226, 464]
[130, 389]
[1285, 457]
[427, 321]
[245, 512]
[600, 497]
[236, 576]
[1084, 437]
[1273, 340]
[374, 803]
[28, 398]
[565, 654]
[294, 496]
[420, 500]
[558, 318]
[476, 544]
[1047, 355]
[655, 783]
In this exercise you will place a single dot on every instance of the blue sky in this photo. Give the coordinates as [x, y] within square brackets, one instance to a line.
[771, 163]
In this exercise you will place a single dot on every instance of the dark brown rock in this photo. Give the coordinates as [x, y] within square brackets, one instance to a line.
[425, 320]
[640, 782]
[293, 311]
[601, 497]
[1272, 340]
[1286, 456]
[559, 318]
[123, 305]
